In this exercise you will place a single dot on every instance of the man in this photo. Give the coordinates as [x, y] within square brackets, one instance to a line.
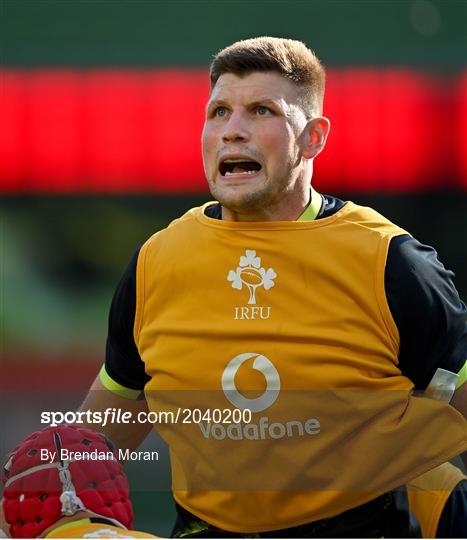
[316, 316]
[65, 482]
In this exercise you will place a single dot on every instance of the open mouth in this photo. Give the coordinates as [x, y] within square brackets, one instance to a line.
[229, 167]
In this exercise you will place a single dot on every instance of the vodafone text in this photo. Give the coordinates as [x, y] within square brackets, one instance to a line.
[262, 430]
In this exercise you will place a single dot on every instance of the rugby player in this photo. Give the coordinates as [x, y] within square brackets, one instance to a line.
[320, 317]
[60, 498]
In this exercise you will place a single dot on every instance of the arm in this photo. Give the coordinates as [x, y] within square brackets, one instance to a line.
[429, 315]
[427, 310]
[122, 435]
[121, 380]
[459, 402]
[459, 399]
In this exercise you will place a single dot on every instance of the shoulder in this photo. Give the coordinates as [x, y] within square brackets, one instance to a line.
[366, 219]
[415, 268]
[427, 310]
[96, 530]
[177, 228]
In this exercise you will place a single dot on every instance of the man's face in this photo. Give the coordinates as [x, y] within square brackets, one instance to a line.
[253, 141]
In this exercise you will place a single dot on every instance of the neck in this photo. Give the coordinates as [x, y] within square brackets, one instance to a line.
[289, 208]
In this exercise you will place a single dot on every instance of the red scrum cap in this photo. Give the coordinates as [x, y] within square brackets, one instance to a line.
[38, 492]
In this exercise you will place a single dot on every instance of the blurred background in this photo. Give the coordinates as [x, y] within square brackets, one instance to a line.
[101, 112]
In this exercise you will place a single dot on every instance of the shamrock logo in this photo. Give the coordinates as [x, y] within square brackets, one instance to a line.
[251, 274]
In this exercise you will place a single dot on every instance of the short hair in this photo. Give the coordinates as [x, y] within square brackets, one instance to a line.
[290, 58]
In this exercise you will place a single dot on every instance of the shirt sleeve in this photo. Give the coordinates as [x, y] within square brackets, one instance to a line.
[427, 310]
[123, 372]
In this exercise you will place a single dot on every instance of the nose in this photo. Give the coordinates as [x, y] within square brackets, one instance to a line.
[235, 130]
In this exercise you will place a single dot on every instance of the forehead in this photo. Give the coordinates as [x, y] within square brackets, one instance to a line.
[255, 86]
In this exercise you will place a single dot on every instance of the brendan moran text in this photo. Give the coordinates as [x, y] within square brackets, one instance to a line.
[94, 455]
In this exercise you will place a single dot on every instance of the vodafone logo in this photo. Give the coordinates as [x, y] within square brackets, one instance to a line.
[261, 364]
[262, 428]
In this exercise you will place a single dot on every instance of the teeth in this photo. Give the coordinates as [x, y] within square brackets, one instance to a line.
[228, 173]
[236, 160]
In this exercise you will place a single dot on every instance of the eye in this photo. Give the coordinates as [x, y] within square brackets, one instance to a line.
[262, 110]
[220, 112]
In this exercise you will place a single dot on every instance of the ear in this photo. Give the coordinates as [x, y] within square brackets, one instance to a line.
[316, 132]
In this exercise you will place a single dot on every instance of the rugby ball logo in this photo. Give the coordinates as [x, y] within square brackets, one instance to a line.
[250, 274]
